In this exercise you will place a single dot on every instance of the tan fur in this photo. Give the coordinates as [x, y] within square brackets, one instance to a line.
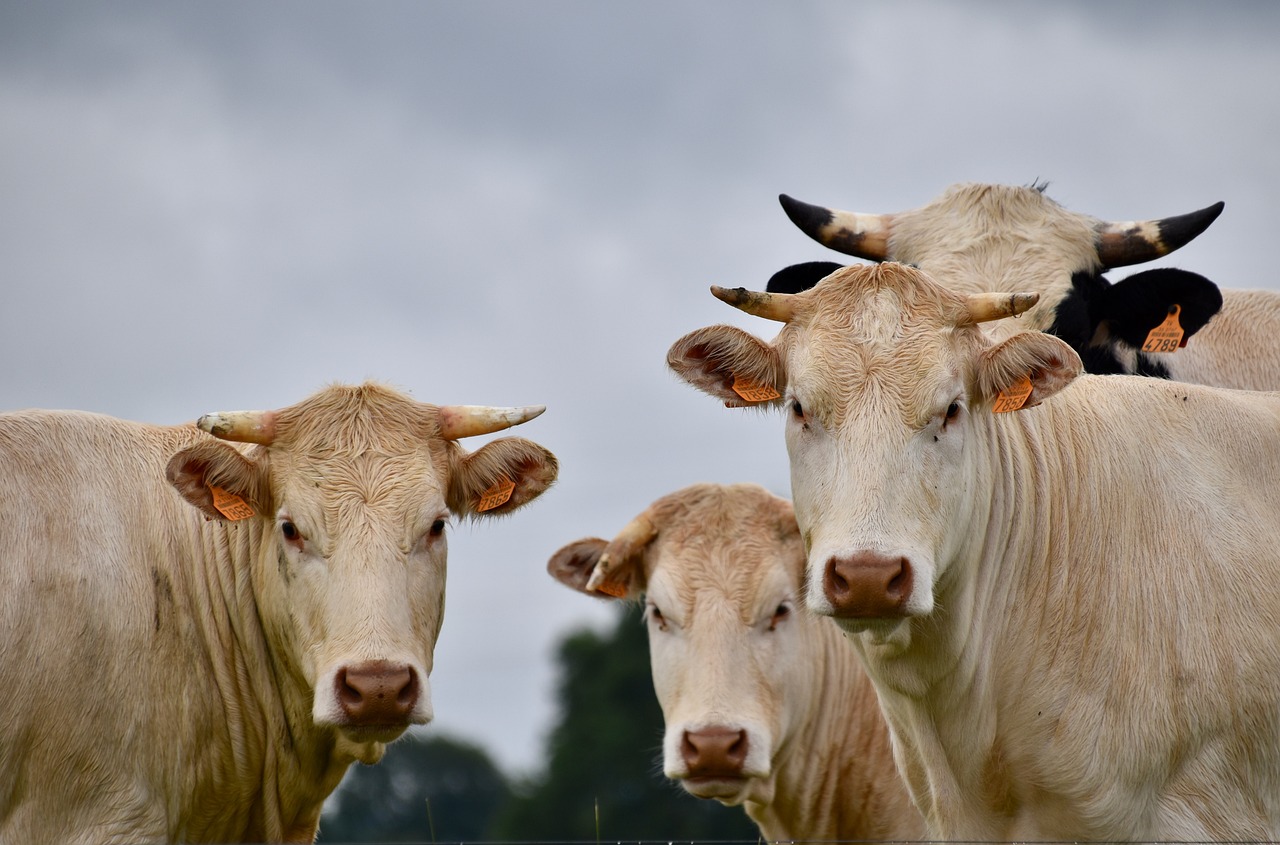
[722, 560]
[1085, 652]
[160, 666]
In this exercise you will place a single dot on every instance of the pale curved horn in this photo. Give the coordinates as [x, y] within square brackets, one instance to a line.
[469, 420]
[861, 235]
[997, 306]
[241, 426]
[771, 306]
[1122, 244]
[634, 536]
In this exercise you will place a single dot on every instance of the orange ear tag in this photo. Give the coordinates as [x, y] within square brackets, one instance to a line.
[1166, 337]
[609, 588]
[230, 505]
[496, 495]
[1012, 397]
[753, 391]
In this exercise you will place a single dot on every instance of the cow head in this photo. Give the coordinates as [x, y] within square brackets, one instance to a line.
[888, 385]
[351, 493]
[720, 571]
[1005, 238]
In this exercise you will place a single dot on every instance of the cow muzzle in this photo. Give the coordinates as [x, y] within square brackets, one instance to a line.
[868, 585]
[714, 760]
[376, 696]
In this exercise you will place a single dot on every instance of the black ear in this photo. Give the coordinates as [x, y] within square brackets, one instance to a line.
[1134, 306]
[801, 277]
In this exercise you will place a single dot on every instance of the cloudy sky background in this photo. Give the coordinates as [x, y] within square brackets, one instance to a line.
[221, 205]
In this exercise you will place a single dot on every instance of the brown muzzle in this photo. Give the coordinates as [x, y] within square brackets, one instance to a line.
[867, 585]
[714, 752]
[377, 693]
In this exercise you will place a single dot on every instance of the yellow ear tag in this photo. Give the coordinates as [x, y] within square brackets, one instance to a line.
[1167, 336]
[609, 588]
[752, 391]
[1012, 397]
[496, 495]
[230, 505]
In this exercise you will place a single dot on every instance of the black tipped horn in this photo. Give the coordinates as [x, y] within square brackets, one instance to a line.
[853, 233]
[1122, 244]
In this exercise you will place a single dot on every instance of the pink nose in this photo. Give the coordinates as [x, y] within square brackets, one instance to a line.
[377, 693]
[867, 585]
[714, 752]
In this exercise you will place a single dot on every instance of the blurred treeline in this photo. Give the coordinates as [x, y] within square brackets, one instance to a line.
[603, 760]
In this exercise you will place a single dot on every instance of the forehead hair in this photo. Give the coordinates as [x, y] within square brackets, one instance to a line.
[872, 333]
[347, 421]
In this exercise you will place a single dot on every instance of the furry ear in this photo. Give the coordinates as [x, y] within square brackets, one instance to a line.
[737, 368]
[1043, 360]
[499, 477]
[218, 480]
[573, 564]
[1135, 305]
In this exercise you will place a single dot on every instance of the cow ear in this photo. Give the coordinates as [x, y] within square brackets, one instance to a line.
[499, 477]
[1134, 306]
[1041, 362]
[573, 564]
[737, 368]
[800, 277]
[219, 481]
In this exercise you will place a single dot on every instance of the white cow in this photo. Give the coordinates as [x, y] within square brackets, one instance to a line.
[765, 704]
[977, 237]
[1070, 613]
[198, 658]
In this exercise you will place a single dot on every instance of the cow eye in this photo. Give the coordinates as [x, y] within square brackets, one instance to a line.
[290, 531]
[781, 612]
[437, 528]
[797, 409]
[657, 618]
[952, 410]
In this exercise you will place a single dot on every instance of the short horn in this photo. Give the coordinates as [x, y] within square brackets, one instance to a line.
[997, 306]
[862, 235]
[771, 306]
[458, 421]
[1122, 244]
[630, 541]
[241, 426]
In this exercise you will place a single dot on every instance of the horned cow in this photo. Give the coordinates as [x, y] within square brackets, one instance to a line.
[203, 627]
[1061, 585]
[765, 705]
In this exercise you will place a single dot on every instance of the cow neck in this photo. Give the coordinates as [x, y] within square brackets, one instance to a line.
[837, 771]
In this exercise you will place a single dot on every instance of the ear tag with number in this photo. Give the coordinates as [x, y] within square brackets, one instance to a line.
[754, 391]
[609, 588]
[1012, 397]
[230, 505]
[496, 495]
[1166, 337]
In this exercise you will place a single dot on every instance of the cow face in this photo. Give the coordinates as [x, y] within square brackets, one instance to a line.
[887, 384]
[352, 493]
[719, 570]
[1005, 238]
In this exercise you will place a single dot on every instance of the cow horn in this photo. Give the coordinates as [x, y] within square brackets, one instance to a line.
[469, 420]
[771, 306]
[997, 306]
[1122, 244]
[241, 426]
[637, 534]
[862, 235]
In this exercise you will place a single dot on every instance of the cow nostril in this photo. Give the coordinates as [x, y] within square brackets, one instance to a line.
[408, 695]
[348, 695]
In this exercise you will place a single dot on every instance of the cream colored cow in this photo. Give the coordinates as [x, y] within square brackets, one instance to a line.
[765, 705]
[1069, 610]
[977, 237]
[199, 658]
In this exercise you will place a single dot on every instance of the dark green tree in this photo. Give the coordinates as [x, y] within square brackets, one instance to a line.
[389, 802]
[607, 748]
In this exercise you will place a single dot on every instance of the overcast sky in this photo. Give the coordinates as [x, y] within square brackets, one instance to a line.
[221, 205]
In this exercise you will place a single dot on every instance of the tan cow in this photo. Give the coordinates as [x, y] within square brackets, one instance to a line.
[977, 237]
[198, 658]
[765, 705]
[1069, 610]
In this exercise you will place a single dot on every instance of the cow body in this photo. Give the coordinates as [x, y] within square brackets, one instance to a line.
[176, 676]
[978, 237]
[765, 705]
[1067, 610]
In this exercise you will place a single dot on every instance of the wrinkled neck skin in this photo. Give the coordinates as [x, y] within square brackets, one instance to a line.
[834, 775]
[282, 765]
